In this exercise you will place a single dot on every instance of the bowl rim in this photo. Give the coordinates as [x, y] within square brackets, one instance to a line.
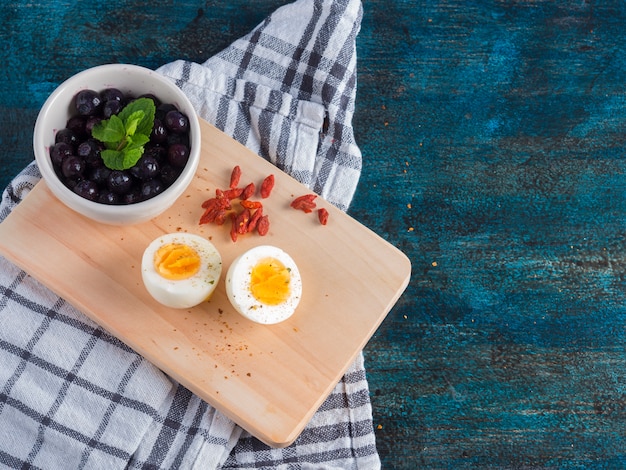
[121, 213]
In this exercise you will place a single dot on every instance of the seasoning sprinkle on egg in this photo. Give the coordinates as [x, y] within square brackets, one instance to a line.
[264, 285]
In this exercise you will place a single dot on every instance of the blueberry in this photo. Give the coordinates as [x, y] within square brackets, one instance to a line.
[175, 138]
[176, 122]
[131, 197]
[169, 174]
[100, 176]
[119, 182]
[70, 183]
[159, 132]
[151, 188]
[73, 167]
[177, 155]
[111, 107]
[158, 152]
[77, 125]
[163, 109]
[87, 189]
[89, 150]
[88, 102]
[112, 94]
[67, 136]
[146, 168]
[107, 197]
[91, 122]
[59, 152]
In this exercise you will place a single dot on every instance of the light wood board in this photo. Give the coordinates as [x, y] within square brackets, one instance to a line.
[269, 379]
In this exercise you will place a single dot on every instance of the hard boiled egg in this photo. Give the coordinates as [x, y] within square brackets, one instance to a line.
[264, 284]
[181, 270]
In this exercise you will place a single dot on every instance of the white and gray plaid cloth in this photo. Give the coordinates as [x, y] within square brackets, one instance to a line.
[72, 396]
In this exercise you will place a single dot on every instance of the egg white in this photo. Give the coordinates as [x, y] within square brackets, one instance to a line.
[238, 286]
[183, 293]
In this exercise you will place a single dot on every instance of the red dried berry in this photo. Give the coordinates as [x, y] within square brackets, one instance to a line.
[263, 226]
[305, 203]
[322, 214]
[232, 193]
[208, 216]
[216, 203]
[234, 177]
[254, 220]
[220, 218]
[242, 221]
[251, 204]
[233, 227]
[248, 191]
[266, 186]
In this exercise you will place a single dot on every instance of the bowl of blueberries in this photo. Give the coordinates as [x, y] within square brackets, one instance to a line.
[117, 143]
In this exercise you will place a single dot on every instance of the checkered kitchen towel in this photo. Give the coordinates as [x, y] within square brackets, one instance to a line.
[72, 396]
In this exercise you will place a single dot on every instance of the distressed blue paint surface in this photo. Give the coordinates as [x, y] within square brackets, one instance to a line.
[502, 126]
[493, 137]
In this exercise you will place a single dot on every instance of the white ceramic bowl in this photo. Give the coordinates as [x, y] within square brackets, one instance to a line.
[130, 79]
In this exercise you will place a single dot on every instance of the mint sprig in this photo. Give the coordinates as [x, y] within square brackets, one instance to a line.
[125, 134]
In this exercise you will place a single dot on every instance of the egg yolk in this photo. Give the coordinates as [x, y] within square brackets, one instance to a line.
[269, 281]
[176, 261]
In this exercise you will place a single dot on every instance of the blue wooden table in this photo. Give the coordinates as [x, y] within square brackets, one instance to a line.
[493, 139]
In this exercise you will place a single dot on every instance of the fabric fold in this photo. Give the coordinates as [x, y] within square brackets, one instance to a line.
[271, 123]
[305, 50]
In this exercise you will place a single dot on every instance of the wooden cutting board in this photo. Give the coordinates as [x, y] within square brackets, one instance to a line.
[268, 379]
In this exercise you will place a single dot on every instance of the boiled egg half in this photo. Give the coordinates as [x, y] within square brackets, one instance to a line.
[181, 270]
[264, 285]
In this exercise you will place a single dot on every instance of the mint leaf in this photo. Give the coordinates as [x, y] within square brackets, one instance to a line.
[137, 141]
[110, 130]
[126, 133]
[141, 104]
[132, 156]
[132, 122]
[127, 156]
[122, 159]
[113, 159]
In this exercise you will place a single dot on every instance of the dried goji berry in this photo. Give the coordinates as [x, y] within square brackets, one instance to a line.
[305, 203]
[266, 186]
[263, 226]
[217, 209]
[248, 191]
[304, 206]
[216, 203]
[242, 221]
[208, 203]
[220, 218]
[234, 177]
[322, 214]
[233, 227]
[306, 197]
[216, 215]
[251, 204]
[208, 216]
[212, 207]
[254, 220]
[232, 193]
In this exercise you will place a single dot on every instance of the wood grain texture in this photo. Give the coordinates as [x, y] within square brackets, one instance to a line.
[269, 379]
[502, 125]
